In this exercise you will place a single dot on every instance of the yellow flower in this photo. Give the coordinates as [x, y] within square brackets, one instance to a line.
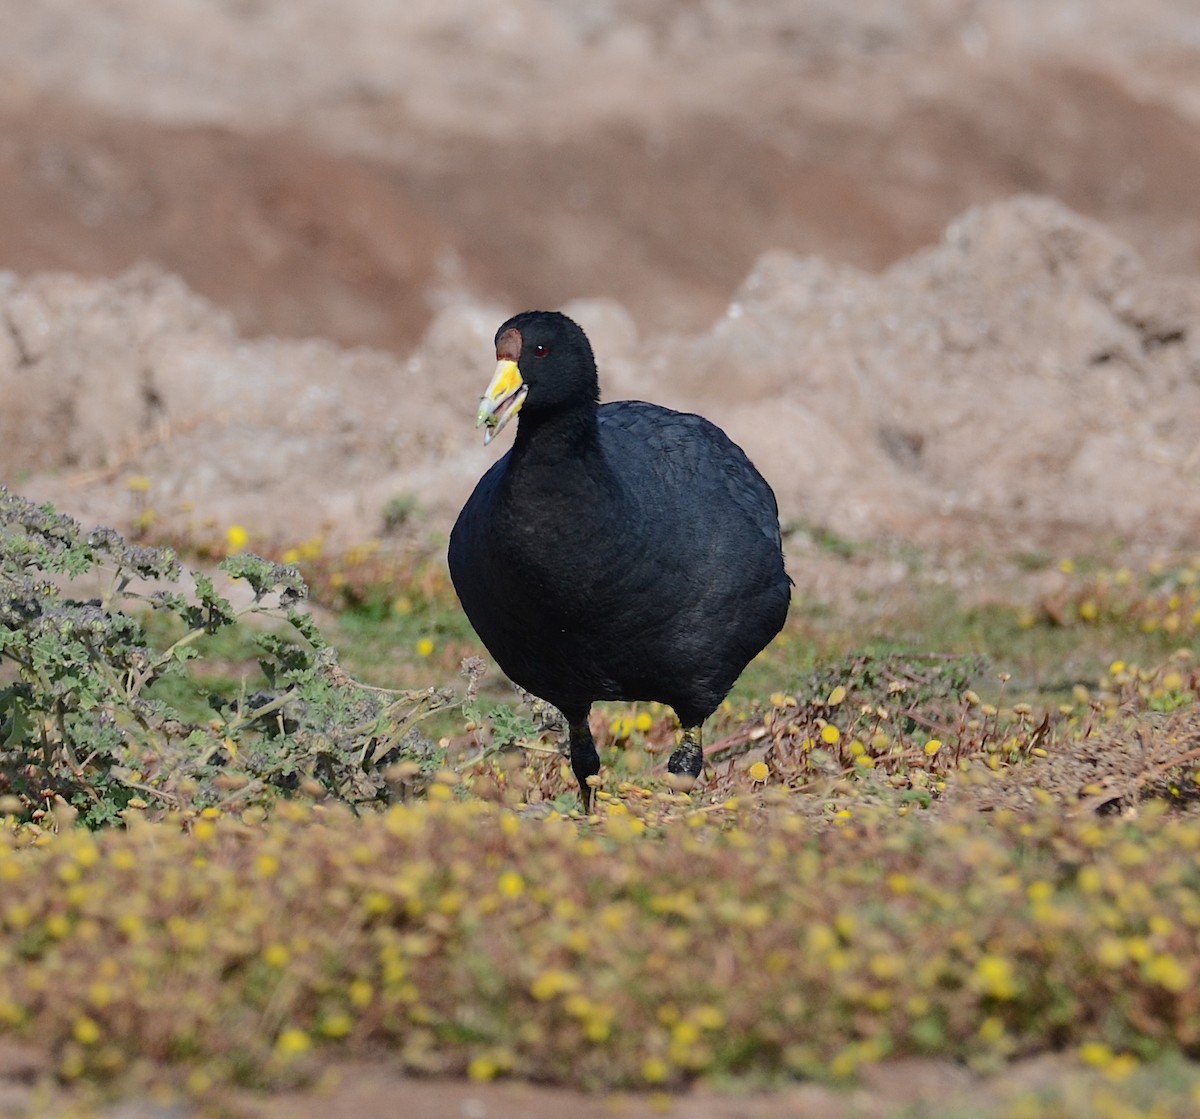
[482, 1068]
[293, 1043]
[844, 1063]
[994, 976]
[759, 771]
[1168, 972]
[1111, 952]
[1095, 1053]
[685, 1033]
[836, 696]
[991, 1029]
[204, 830]
[511, 884]
[198, 1082]
[337, 1024]
[655, 1070]
[1089, 880]
[551, 982]
[425, 647]
[86, 1030]
[643, 722]
[597, 1029]
[1121, 1067]
[932, 747]
[577, 1005]
[708, 1017]
[236, 538]
[491, 1063]
[597, 1025]
[830, 735]
[1040, 891]
[57, 925]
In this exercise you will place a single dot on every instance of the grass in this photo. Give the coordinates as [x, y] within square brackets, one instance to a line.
[226, 665]
[934, 825]
[412, 633]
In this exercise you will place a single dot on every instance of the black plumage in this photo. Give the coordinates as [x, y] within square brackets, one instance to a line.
[619, 552]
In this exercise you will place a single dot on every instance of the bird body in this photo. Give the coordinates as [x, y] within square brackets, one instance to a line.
[616, 552]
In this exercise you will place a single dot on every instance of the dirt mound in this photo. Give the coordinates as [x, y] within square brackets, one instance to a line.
[134, 400]
[347, 178]
[1027, 373]
[290, 238]
[405, 176]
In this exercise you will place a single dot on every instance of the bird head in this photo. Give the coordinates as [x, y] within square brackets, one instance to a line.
[544, 364]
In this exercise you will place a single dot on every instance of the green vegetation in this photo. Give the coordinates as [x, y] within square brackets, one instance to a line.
[971, 833]
[88, 715]
[658, 942]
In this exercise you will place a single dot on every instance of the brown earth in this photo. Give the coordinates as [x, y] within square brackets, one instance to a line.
[405, 177]
[796, 217]
[298, 239]
[903, 1087]
[1028, 379]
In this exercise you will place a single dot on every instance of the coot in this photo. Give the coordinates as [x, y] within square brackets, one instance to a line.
[617, 552]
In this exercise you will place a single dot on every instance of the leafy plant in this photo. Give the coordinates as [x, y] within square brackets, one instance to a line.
[82, 724]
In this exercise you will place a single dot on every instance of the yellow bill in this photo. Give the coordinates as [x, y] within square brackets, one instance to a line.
[503, 399]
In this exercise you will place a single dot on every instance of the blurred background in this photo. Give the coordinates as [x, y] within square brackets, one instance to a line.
[215, 180]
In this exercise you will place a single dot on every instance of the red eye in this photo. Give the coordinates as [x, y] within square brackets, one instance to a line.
[540, 350]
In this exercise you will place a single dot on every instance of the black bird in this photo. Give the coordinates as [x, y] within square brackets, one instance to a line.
[623, 551]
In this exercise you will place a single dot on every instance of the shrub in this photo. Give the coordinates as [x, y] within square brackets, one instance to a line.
[85, 725]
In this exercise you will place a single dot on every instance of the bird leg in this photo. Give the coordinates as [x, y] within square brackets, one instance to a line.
[688, 759]
[585, 761]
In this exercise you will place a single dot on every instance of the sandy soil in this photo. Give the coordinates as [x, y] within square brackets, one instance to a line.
[403, 178]
[902, 1087]
[936, 264]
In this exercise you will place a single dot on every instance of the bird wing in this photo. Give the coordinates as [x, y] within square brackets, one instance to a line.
[693, 451]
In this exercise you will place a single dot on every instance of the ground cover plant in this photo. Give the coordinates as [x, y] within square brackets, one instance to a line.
[235, 866]
[660, 942]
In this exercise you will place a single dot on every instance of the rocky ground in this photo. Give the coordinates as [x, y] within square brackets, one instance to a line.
[935, 264]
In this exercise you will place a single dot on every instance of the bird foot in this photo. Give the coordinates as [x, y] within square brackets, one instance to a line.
[688, 758]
